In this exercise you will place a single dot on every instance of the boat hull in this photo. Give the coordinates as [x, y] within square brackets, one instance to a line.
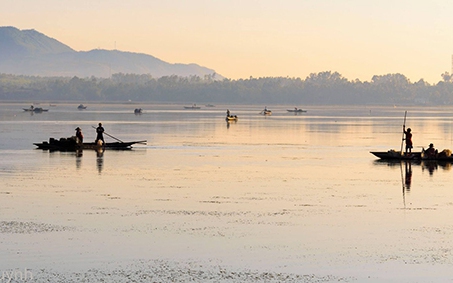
[35, 110]
[231, 118]
[296, 111]
[396, 155]
[70, 144]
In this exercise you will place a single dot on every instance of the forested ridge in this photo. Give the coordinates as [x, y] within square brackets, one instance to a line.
[318, 88]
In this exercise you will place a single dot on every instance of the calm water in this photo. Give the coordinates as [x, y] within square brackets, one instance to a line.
[294, 198]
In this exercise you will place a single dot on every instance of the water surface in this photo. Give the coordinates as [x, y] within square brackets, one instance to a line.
[286, 197]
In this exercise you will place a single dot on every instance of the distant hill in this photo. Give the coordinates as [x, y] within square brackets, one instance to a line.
[28, 52]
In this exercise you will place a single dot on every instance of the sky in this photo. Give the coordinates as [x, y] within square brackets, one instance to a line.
[257, 38]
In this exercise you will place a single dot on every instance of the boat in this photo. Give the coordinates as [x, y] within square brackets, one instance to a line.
[444, 155]
[210, 105]
[138, 111]
[296, 110]
[81, 107]
[396, 155]
[231, 118]
[70, 144]
[35, 109]
[192, 107]
[266, 112]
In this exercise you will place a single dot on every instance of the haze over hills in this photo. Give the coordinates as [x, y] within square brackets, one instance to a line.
[29, 52]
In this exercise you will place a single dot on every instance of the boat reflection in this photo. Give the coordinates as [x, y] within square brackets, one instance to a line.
[99, 159]
[432, 166]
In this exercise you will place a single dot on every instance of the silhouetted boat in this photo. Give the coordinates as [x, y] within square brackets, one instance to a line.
[70, 144]
[35, 109]
[192, 107]
[296, 110]
[82, 107]
[396, 155]
[444, 155]
[231, 118]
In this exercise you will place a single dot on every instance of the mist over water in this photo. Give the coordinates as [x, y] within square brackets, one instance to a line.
[264, 199]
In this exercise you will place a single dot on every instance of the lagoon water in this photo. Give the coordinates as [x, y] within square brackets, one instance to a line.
[280, 198]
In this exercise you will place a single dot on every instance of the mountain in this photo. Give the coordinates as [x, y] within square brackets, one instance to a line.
[29, 52]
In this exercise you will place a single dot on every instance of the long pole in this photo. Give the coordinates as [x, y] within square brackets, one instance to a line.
[109, 135]
[404, 125]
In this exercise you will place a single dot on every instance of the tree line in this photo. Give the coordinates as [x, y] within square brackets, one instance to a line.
[317, 88]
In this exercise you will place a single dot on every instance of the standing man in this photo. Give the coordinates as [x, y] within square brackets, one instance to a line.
[408, 139]
[100, 132]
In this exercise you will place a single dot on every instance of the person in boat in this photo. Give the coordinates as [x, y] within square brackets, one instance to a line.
[100, 133]
[408, 139]
[79, 135]
[431, 152]
[228, 112]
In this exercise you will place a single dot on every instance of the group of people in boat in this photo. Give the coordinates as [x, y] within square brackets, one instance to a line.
[429, 153]
[99, 134]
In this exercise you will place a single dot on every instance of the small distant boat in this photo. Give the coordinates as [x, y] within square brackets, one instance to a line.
[296, 110]
[82, 107]
[231, 118]
[138, 111]
[266, 112]
[35, 109]
[192, 107]
[210, 105]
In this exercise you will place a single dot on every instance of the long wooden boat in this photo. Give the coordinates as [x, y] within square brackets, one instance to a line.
[444, 155]
[396, 155]
[192, 107]
[35, 110]
[296, 110]
[70, 144]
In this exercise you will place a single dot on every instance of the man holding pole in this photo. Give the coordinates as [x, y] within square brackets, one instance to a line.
[408, 139]
[100, 132]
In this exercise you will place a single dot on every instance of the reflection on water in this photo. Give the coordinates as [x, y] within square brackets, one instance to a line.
[100, 159]
[408, 175]
[79, 155]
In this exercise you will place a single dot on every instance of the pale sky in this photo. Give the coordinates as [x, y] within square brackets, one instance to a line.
[259, 38]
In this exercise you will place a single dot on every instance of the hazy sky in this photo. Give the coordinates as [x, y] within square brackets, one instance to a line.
[243, 38]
